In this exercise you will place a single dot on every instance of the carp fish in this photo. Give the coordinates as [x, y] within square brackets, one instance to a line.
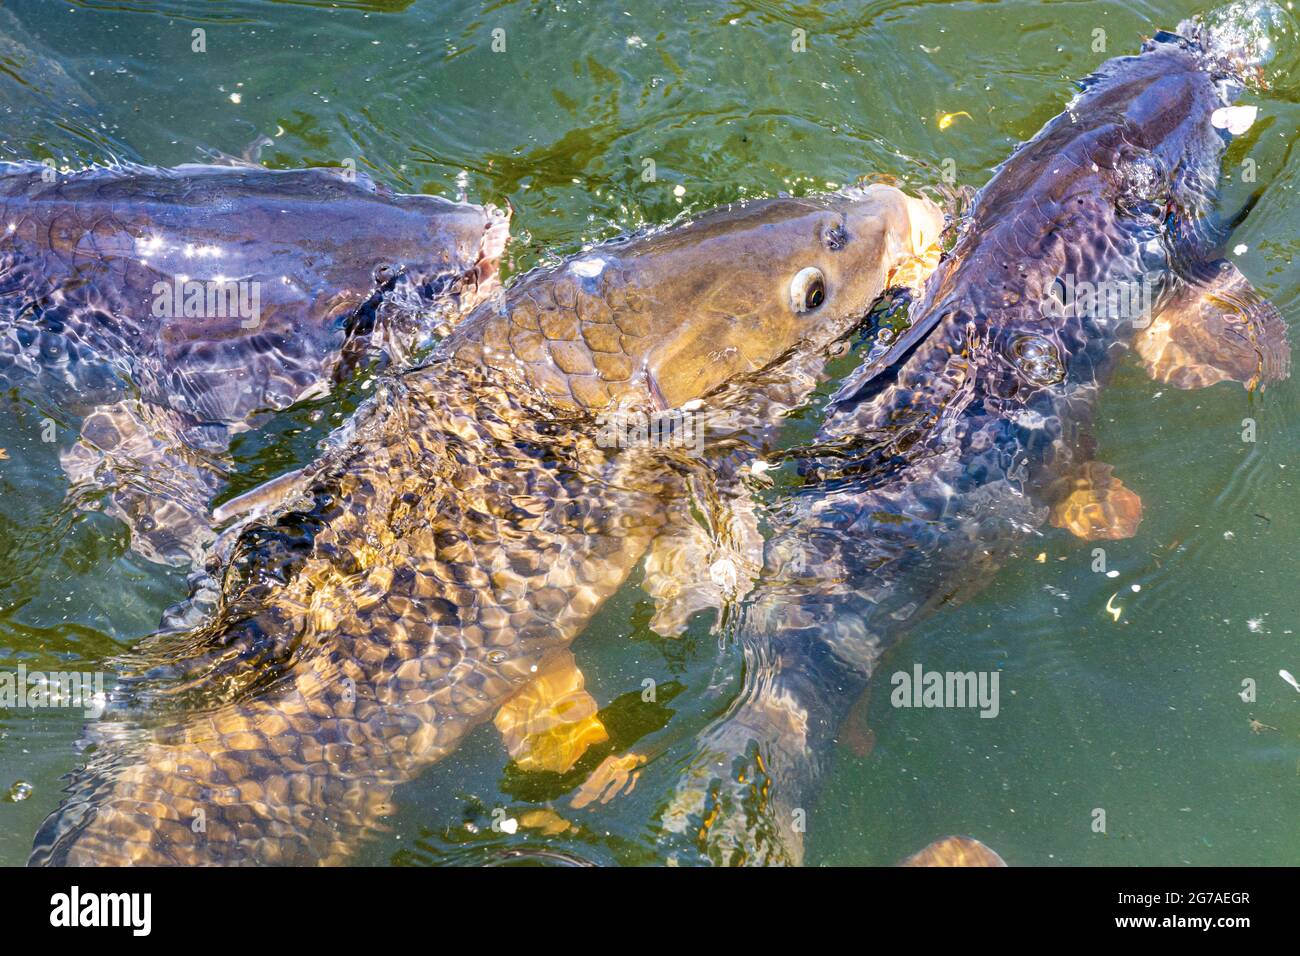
[172, 307]
[945, 452]
[460, 531]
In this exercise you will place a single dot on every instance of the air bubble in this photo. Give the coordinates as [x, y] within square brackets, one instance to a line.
[19, 792]
[1037, 359]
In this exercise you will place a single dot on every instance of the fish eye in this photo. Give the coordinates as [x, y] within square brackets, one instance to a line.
[807, 289]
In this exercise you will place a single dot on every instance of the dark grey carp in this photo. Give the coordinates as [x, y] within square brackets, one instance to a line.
[940, 458]
[173, 306]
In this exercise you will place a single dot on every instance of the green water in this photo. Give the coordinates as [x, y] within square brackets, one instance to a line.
[1139, 716]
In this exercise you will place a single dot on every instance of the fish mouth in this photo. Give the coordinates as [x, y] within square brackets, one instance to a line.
[483, 279]
[1237, 40]
[927, 220]
[401, 301]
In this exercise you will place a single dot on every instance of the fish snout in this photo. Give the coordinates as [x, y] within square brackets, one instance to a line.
[457, 288]
[927, 223]
[483, 279]
[916, 222]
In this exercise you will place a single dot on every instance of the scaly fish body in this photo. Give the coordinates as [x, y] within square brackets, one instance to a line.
[461, 531]
[183, 302]
[942, 457]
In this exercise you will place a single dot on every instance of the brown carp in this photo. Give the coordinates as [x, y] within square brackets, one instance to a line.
[458, 534]
[183, 302]
[944, 453]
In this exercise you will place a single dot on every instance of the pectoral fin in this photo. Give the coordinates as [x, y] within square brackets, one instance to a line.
[955, 851]
[261, 499]
[1214, 329]
[1093, 504]
[616, 775]
[551, 722]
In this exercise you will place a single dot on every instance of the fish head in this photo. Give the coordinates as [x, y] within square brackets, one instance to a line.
[1149, 133]
[1175, 103]
[318, 269]
[323, 269]
[418, 263]
[732, 292]
[318, 243]
[450, 257]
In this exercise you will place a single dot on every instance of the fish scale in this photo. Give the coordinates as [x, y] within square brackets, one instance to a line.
[576, 346]
[89, 267]
[459, 532]
[974, 449]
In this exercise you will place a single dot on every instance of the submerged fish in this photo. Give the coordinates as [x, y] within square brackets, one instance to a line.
[938, 459]
[459, 533]
[183, 302]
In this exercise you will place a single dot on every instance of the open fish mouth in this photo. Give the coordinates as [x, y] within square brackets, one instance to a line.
[405, 298]
[483, 279]
[416, 289]
[1240, 37]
